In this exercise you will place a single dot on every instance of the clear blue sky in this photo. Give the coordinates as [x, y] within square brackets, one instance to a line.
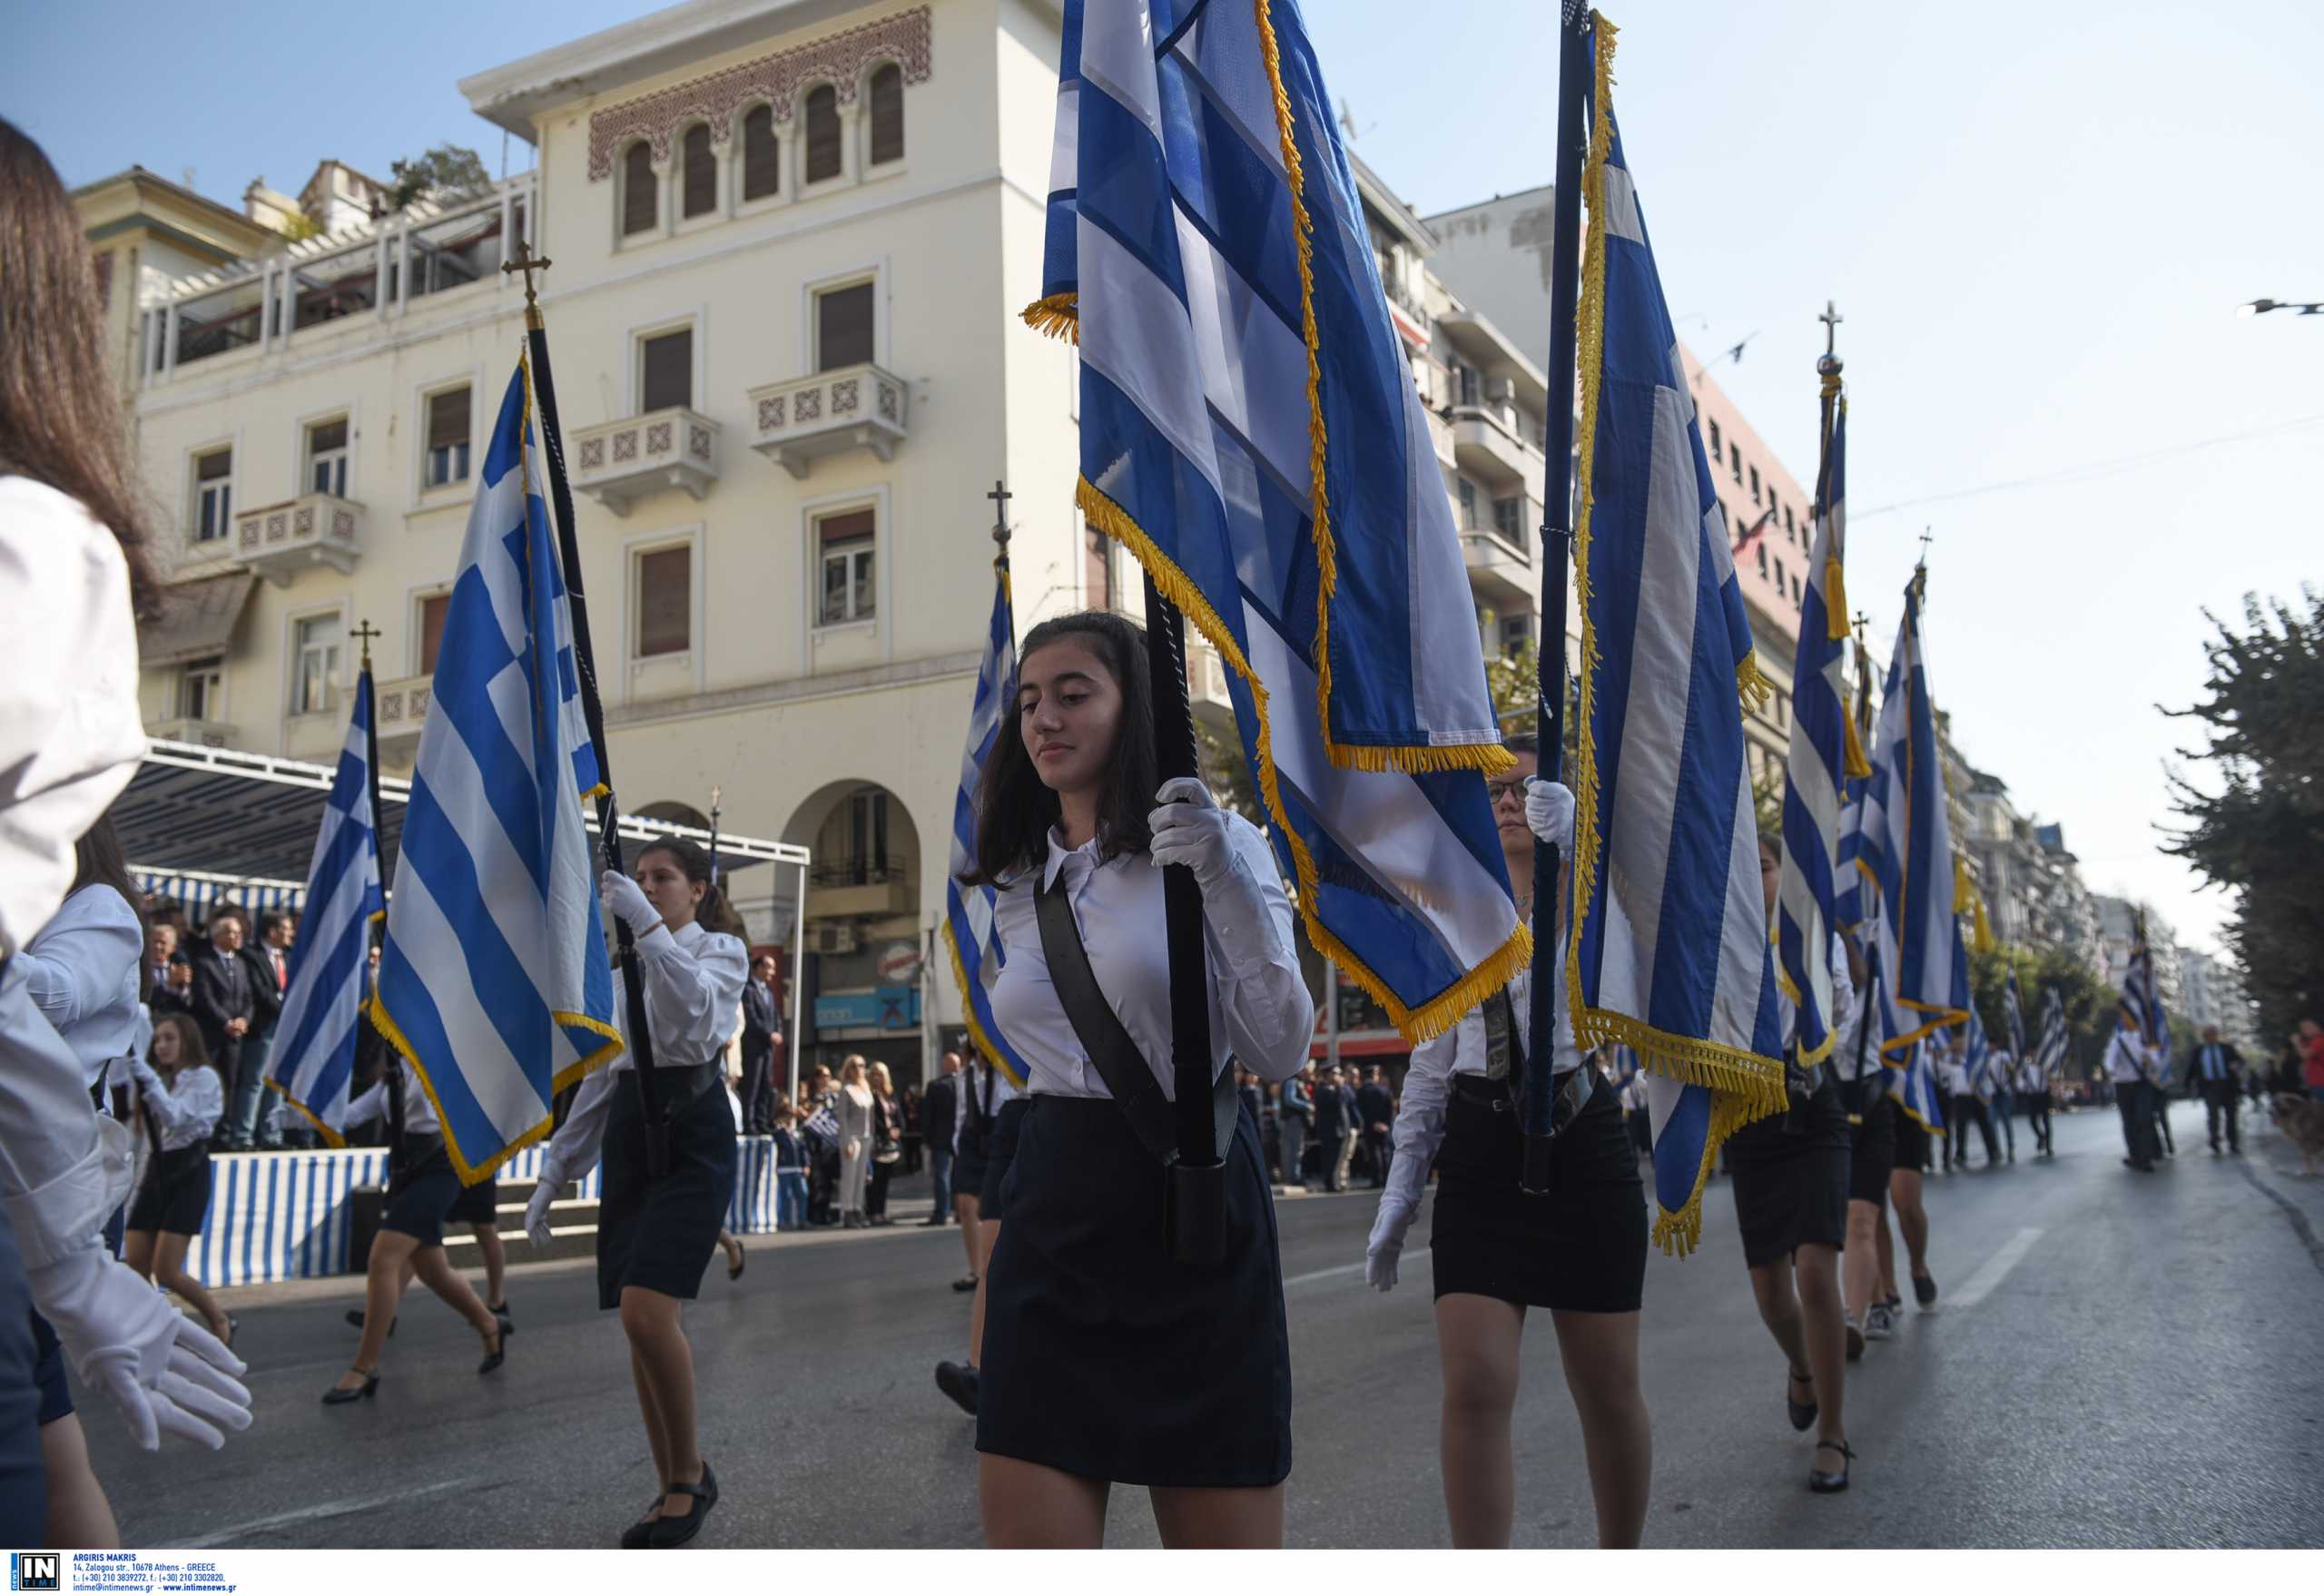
[2037, 226]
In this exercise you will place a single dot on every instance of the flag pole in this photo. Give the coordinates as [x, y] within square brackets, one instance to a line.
[1557, 555]
[640, 1037]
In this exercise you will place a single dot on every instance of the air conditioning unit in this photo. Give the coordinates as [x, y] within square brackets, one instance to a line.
[1501, 390]
[832, 936]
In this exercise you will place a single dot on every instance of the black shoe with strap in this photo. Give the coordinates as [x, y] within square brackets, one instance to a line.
[1925, 1289]
[667, 1532]
[499, 1355]
[345, 1393]
[1803, 1414]
[958, 1382]
[638, 1535]
[1824, 1482]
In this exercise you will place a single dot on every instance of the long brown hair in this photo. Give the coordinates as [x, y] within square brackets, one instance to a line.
[98, 861]
[60, 419]
[191, 1052]
[714, 911]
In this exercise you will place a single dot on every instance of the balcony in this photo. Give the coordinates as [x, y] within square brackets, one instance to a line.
[280, 540]
[864, 887]
[1206, 686]
[191, 729]
[830, 413]
[618, 463]
[1501, 572]
[1488, 447]
[403, 709]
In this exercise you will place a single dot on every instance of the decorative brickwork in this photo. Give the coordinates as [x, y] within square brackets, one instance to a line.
[658, 438]
[844, 396]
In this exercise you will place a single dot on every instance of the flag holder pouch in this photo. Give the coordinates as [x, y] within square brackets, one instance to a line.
[1193, 1201]
[1580, 1089]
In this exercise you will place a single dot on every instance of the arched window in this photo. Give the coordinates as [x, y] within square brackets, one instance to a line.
[701, 168]
[639, 213]
[761, 169]
[823, 133]
[887, 115]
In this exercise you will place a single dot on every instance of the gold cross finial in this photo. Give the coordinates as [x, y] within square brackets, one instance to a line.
[363, 635]
[526, 262]
[1000, 496]
[1831, 319]
[1927, 538]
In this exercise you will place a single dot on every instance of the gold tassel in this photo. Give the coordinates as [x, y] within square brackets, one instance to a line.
[1836, 604]
[1751, 683]
[1058, 316]
[1859, 768]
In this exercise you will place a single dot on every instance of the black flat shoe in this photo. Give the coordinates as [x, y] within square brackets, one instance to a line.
[341, 1394]
[638, 1535]
[499, 1310]
[965, 1283]
[958, 1382]
[355, 1318]
[1803, 1414]
[499, 1353]
[1925, 1289]
[735, 1269]
[667, 1531]
[1823, 1482]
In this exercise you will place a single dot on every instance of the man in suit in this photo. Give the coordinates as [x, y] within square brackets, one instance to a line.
[225, 1001]
[2213, 1069]
[1331, 1104]
[1294, 1110]
[250, 1118]
[761, 1035]
[939, 1109]
[1375, 1110]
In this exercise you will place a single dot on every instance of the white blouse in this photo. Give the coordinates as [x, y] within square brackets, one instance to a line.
[418, 1108]
[184, 1110]
[1843, 1009]
[81, 971]
[2126, 1061]
[1260, 1011]
[694, 997]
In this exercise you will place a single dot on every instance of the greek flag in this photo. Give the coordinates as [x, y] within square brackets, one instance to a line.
[1916, 1086]
[1851, 899]
[1976, 1054]
[494, 982]
[1674, 956]
[967, 911]
[313, 1058]
[2014, 1017]
[1824, 755]
[1249, 429]
[2141, 997]
[2052, 1053]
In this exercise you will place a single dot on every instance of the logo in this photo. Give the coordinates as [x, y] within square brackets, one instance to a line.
[35, 1570]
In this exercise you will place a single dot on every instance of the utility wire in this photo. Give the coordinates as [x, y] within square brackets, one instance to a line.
[2098, 470]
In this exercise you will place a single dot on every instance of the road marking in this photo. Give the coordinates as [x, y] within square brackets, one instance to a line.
[1996, 1268]
[324, 1509]
[1339, 1270]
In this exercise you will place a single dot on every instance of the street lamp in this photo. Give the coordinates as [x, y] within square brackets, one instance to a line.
[2262, 307]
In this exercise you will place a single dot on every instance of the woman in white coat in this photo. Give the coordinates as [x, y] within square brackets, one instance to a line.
[854, 1110]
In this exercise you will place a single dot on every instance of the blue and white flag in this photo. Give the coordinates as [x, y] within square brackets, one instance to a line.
[2143, 998]
[2051, 1054]
[2014, 1016]
[1852, 895]
[494, 981]
[1250, 431]
[1915, 1087]
[1976, 1056]
[1673, 957]
[312, 1061]
[1824, 754]
[967, 911]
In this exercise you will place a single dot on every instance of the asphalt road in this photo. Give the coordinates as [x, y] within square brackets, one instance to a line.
[2117, 1361]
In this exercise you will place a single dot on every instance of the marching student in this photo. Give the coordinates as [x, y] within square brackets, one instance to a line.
[2126, 1062]
[656, 1232]
[1905, 1180]
[1092, 1317]
[2033, 1097]
[2001, 1078]
[1791, 1202]
[181, 1100]
[1578, 1251]
[997, 1142]
[1856, 1064]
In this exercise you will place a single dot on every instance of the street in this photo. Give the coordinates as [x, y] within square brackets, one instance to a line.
[2116, 1361]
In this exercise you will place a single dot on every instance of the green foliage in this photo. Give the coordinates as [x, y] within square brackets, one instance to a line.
[445, 172]
[1514, 682]
[2262, 723]
[2091, 1005]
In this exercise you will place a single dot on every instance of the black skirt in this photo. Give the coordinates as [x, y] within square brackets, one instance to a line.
[1104, 1357]
[1580, 1245]
[422, 1196]
[175, 1195]
[998, 1154]
[659, 1233]
[1792, 1190]
[477, 1204]
[1912, 1139]
[969, 1163]
[1874, 1153]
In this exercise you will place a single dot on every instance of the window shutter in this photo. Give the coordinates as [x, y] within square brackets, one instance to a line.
[215, 468]
[822, 134]
[447, 419]
[328, 436]
[887, 115]
[432, 612]
[843, 327]
[664, 602]
[638, 209]
[701, 172]
[762, 163]
[668, 376]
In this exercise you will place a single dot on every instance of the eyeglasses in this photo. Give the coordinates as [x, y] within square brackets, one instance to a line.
[1495, 792]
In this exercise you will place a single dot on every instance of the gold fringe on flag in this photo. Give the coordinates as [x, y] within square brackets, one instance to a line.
[1058, 316]
[977, 1037]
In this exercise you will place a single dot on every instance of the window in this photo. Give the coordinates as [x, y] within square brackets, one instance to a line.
[1717, 448]
[1735, 460]
[700, 189]
[432, 611]
[1780, 575]
[666, 370]
[1469, 383]
[1795, 598]
[856, 837]
[448, 438]
[1097, 568]
[213, 495]
[639, 213]
[202, 688]
[1787, 523]
[845, 544]
[1772, 505]
[843, 327]
[1755, 485]
[664, 602]
[823, 133]
[1763, 559]
[887, 115]
[315, 645]
[1468, 492]
[327, 458]
[1509, 519]
[761, 155]
[1516, 632]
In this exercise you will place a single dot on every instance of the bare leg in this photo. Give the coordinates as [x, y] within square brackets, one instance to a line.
[1771, 1284]
[733, 1248]
[496, 1265]
[1247, 1517]
[1864, 1256]
[436, 1272]
[137, 1251]
[1912, 1218]
[403, 1280]
[657, 1439]
[988, 1234]
[964, 1205]
[1599, 1352]
[1477, 1342]
[383, 1287]
[1817, 1268]
[169, 1269]
[657, 1340]
[79, 1516]
[1886, 1246]
[1026, 1507]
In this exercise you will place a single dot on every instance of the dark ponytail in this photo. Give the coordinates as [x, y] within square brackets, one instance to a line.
[98, 861]
[714, 911]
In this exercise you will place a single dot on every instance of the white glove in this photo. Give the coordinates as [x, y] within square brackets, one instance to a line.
[536, 1210]
[1386, 1245]
[166, 1373]
[1548, 811]
[1190, 829]
[625, 900]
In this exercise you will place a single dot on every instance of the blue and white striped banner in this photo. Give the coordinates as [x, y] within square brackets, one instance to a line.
[2141, 1002]
[967, 911]
[1915, 1085]
[2051, 1053]
[1976, 1054]
[2014, 1017]
[494, 981]
[312, 1059]
[198, 892]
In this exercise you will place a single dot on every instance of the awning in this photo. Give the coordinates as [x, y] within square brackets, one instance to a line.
[196, 618]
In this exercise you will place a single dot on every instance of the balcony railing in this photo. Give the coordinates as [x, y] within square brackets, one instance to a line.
[1488, 445]
[1501, 572]
[403, 706]
[280, 540]
[853, 407]
[192, 729]
[618, 462]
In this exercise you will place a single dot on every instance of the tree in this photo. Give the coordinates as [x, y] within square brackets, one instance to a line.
[2090, 1004]
[2263, 722]
[447, 171]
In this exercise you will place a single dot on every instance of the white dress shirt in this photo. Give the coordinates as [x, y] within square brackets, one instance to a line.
[2210, 1063]
[2126, 1059]
[418, 1108]
[978, 1079]
[2029, 1077]
[81, 971]
[694, 998]
[1843, 1009]
[1260, 1011]
[1952, 1075]
[184, 1110]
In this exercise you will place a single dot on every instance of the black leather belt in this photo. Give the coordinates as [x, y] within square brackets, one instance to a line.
[676, 1089]
[1573, 1094]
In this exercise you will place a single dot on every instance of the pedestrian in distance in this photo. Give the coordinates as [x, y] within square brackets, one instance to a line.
[855, 1106]
[1375, 1111]
[762, 1038]
[1856, 1066]
[2213, 1071]
[2126, 1066]
[1331, 1125]
[790, 1169]
[1295, 1112]
[887, 1142]
[2033, 1097]
[939, 1108]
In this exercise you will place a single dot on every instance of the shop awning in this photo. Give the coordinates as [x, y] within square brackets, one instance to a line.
[196, 618]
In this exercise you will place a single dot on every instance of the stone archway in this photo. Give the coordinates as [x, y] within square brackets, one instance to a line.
[864, 940]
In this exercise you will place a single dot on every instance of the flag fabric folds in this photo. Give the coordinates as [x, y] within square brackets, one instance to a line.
[312, 1062]
[2142, 997]
[1976, 1054]
[1672, 956]
[1915, 1087]
[2052, 1053]
[494, 982]
[1250, 431]
[2014, 1017]
[967, 911]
